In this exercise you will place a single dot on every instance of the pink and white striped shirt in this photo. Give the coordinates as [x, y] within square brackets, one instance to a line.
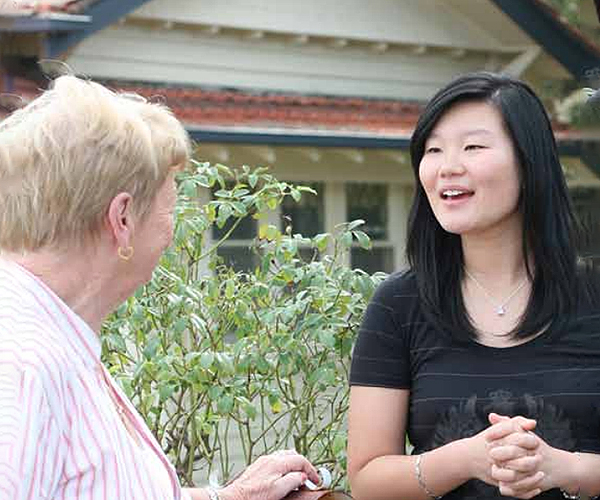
[61, 437]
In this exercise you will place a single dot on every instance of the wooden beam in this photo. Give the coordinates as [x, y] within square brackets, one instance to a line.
[565, 44]
[103, 13]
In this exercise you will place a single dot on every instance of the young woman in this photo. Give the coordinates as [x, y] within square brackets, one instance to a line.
[486, 351]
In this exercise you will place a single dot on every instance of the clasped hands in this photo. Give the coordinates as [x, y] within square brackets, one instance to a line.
[519, 462]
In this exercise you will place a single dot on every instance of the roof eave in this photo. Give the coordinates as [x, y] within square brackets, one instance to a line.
[569, 47]
[43, 24]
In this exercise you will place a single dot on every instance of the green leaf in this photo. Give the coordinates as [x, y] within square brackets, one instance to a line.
[306, 189]
[248, 408]
[229, 289]
[189, 189]
[363, 240]
[180, 325]
[354, 224]
[225, 404]
[252, 180]
[165, 392]
[151, 348]
[206, 360]
[321, 241]
[327, 338]
[275, 403]
[339, 444]
[239, 208]
[346, 240]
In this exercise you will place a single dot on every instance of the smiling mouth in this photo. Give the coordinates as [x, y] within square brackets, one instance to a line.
[456, 194]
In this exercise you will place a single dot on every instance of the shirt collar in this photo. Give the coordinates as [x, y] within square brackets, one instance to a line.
[83, 339]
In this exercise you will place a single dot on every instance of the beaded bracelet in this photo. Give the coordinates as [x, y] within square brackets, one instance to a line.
[421, 481]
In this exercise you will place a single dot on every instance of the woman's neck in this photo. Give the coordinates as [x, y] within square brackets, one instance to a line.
[497, 256]
[80, 278]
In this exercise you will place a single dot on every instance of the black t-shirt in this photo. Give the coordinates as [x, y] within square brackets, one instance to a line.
[553, 378]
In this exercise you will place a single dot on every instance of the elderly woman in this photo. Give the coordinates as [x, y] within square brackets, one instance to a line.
[86, 209]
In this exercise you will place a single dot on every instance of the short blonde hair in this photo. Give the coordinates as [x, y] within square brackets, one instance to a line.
[66, 155]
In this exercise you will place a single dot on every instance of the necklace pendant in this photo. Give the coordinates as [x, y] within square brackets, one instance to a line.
[500, 311]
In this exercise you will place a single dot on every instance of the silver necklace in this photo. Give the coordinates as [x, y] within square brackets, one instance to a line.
[499, 308]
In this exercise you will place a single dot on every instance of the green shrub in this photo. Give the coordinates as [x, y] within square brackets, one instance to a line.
[258, 357]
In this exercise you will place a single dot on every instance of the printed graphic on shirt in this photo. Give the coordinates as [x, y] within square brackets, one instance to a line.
[469, 418]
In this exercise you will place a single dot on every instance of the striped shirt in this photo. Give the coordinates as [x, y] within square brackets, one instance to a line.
[61, 436]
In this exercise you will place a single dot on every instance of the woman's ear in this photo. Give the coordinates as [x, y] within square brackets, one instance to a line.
[119, 220]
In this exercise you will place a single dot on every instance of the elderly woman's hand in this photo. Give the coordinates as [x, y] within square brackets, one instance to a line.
[271, 477]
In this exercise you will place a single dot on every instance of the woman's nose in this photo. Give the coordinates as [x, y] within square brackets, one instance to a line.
[451, 165]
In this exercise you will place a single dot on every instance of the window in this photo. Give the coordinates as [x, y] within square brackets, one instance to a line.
[370, 203]
[239, 257]
[236, 251]
[586, 202]
[305, 217]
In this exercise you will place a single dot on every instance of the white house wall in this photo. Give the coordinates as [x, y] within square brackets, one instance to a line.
[430, 22]
[182, 57]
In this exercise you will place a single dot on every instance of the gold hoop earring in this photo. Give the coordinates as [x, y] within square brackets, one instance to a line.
[125, 253]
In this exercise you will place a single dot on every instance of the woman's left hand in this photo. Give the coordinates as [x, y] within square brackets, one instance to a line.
[271, 477]
[525, 465]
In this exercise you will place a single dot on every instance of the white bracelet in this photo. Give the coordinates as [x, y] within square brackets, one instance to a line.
[421, 481]
[576, 496]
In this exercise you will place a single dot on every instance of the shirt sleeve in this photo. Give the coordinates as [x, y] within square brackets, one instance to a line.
[381, 356]
[29, 437]
[186, 494]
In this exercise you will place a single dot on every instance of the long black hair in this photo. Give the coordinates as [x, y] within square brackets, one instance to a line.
[549, 227]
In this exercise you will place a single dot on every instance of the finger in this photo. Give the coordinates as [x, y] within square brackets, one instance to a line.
[494, 418]
[527, 424]
[287, 483]
[523, 486]
[297, 463]
[505, 453]
[285, 452]
[505, 427]
[505, 491]
[528, 443]
[527, 464]
[501, 430]
[503, 475]
[526, 440]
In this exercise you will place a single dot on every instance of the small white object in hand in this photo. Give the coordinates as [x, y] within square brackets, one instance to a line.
[213, 480]
[325, 480]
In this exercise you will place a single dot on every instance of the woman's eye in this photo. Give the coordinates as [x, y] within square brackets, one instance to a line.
[473, 146]
[432, 150]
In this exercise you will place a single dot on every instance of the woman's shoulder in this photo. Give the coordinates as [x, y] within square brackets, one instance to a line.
[400, 285]
[398, 295]
[588, 274]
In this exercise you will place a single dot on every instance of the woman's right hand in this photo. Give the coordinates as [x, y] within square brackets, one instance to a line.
[271, 477]
[501, 430]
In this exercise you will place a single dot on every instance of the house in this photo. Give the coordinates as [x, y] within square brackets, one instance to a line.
[326, 93]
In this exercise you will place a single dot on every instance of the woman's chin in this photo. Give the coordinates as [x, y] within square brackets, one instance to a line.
[456, 228]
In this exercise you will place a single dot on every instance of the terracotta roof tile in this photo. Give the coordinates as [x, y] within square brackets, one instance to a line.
[234, 108]
[206, 107]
